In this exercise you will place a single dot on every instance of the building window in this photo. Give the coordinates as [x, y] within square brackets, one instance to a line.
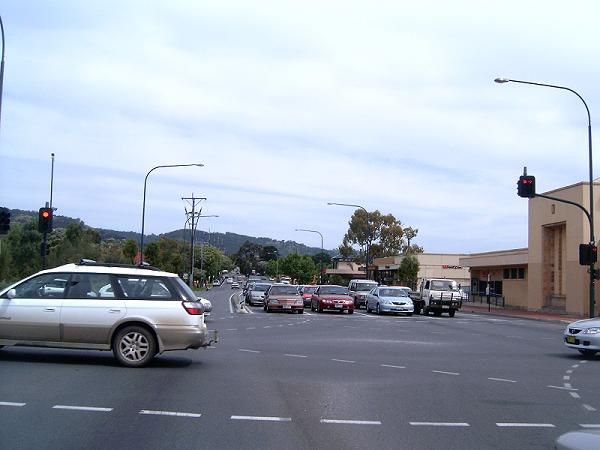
[514, 273]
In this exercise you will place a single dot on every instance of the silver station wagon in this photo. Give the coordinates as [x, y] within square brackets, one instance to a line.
[137, 312]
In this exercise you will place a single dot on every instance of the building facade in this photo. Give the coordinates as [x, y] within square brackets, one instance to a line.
[546, 275]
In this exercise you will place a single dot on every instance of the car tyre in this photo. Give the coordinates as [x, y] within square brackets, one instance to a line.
[425, 310]
[378, 310]
[368, 309]
[451, 312]
[319, 308]
[350, 311]
[300, 311]
[585, 352]
[134, 346]
[409, 314]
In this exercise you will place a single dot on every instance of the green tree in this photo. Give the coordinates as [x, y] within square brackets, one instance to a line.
[130, 249]
[269, 253]
[248, 257]
[300, 267]
[408, 271]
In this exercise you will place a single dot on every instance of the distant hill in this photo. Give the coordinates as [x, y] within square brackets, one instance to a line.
[229, 243]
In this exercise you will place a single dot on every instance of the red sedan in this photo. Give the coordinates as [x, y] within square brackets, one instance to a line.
[332, 297]
[283, 297]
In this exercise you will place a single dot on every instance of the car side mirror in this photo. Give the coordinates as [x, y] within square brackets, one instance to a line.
[11, 294]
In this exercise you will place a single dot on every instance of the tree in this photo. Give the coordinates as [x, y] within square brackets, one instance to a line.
[408, 271]
[299, 267]
[269, 253]
[248, 256]
[384, 235]
[130, 249]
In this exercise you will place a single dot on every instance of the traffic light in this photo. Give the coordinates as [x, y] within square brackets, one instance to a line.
[45, 220]
[4, 220]
[526, 186]
[588, 254]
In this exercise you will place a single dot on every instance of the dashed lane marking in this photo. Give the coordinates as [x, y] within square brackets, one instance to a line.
[262, 418]
[439, 424]
[393, 367]
[351, 422]
[248, 351]
[82, 408]
[502, 379]
[589, 425]
[12, 404]
[575, 395]
[169, 413]
[445, 373]
[589, 408]
[564, 388]
[295, 356]
[343, 361]
[524, 425]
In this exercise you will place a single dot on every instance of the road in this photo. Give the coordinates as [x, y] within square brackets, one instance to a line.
[310, 381]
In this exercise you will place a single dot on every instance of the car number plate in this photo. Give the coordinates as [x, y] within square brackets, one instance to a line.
[339, 306]
[287, 306]
[571, 339]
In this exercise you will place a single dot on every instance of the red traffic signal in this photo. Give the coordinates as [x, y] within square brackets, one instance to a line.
[526, 186]
[588, 254]
[45, 220]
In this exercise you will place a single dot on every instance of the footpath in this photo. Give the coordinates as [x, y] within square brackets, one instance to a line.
[484, 308]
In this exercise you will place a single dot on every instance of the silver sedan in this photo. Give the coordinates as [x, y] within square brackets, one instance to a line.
[583, 335]
[389, 299]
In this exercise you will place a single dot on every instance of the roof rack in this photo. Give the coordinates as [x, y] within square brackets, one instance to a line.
[91, 262]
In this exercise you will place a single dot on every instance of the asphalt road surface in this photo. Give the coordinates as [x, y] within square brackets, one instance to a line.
[310, 381]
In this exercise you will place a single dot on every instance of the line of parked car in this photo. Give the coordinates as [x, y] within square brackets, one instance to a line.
[359, 293]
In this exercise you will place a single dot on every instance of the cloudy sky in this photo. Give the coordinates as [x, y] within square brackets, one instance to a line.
[293, 104]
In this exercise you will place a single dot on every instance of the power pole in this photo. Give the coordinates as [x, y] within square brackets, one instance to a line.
[192, 218]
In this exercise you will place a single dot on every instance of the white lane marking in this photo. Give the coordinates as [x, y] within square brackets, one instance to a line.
[516, 337]
[251, 328]
[524, 425]
[569, 371]
[502, 379]
[575, 366]
[248, 351]
[82, 408]
[568, 385]
[575, 395]
[169, 413]
[352, 422]
[445, 373]
[584, 361]
[589, 408]
[567, 377]
[439, 424]
[231, 329]
[12, 404]
[563, 388]
[393, 367]
[295, 356]
[589, 425]
[262, 418]
[343, 360]
[268, 326]
[231, 303]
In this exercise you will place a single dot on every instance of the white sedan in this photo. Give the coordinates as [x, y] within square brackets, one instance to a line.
[389, 299]
[584, 336]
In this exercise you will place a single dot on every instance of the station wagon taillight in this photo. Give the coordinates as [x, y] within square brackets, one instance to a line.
[193, 308]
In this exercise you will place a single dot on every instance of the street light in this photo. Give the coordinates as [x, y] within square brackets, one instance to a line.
[1, 65]
[144, 201]
[315, 231]
[368, 233]
[591, 212]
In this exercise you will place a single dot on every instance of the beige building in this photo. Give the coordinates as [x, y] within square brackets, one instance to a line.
[546, 275]
[431, 265]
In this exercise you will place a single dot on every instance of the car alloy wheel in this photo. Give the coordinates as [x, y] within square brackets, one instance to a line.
[134, 346]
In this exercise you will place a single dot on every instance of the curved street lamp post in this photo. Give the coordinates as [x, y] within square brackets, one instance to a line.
[321, 270]
[144, 201]
[368, 233]
[193, 231]
[591, 177]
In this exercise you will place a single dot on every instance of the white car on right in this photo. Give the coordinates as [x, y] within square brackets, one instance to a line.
[389, 299]
[584, 336]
